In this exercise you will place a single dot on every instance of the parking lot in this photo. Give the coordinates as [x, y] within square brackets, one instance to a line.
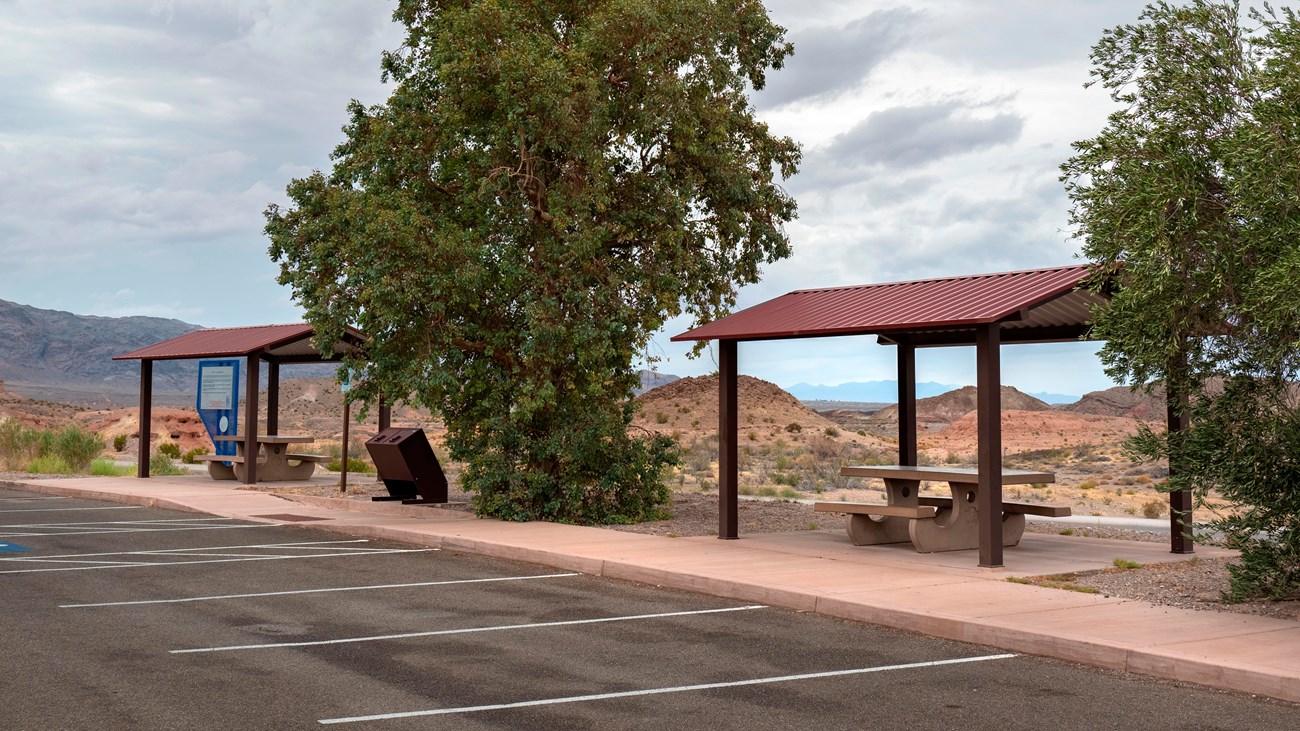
[123, 617]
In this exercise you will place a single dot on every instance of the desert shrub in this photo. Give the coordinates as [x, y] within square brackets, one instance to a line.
[76, 446]
[793, 427]
[1087, 485]
[119, 442]
[661, 417]
[188, 457]
[783, 478]
[49, 464]
[17, 444]
[171, 449]
[354, 465]
[1153, 509]
[162, 465]
[104, 467]
[831, 431]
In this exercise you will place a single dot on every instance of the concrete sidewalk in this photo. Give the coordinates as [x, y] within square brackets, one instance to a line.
[944, 595]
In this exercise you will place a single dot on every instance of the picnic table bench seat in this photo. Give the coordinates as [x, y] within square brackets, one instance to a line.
[933, 523]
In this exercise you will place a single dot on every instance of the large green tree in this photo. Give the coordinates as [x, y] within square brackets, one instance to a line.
[549, 182]
[1188, 204]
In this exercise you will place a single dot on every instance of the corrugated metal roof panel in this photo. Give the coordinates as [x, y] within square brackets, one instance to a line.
[896, 306]
[222, 342]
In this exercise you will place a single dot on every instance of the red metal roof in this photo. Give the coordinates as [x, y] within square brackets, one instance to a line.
[896, 307]
[222, 342]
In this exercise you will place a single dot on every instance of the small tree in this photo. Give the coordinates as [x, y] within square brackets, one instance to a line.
[1188, 203]
[549, 182]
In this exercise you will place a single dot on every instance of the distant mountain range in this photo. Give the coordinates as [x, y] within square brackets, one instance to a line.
[59, 356]
[887, 392]
[59, 349]
[65, 357]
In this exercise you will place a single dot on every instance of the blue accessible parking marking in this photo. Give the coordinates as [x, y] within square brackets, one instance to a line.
[13, 548]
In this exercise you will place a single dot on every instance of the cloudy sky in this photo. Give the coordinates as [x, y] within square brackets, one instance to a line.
[141, 140]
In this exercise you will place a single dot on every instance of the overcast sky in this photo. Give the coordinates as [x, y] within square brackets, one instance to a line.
[140, 142]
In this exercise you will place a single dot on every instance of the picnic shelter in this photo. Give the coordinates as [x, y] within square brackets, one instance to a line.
[984, 310]
[276, 345]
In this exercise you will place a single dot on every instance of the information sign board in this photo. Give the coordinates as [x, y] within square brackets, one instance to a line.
[218, 401]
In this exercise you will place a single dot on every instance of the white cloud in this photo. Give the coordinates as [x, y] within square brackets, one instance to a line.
[141, 140]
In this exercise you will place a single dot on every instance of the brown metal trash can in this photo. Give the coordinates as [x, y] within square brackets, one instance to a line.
[407, 466]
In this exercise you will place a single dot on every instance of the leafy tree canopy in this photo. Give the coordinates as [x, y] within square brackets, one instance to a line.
[1189, 202]
[550, 181]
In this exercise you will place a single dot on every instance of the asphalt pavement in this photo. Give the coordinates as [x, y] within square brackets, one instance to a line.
[130, 617]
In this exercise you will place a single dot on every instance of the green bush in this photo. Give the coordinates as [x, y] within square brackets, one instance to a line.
[49, 464]
[66, 451]
[162, 465]
[119, 442]
[171, 449]
[188, 457]
[76, 446]
[354, 465]
[104, 467]
[16, 444]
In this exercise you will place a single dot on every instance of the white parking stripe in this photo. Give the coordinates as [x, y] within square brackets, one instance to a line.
[124, 530]
[448, 582]
[217, 560]
[659, 691]
[69, 510]
[342, 547]
[466, 630]
[121, 522]
[297, 545]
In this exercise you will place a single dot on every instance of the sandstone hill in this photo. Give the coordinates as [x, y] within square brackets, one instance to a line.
[1122, 401]
[689, 408]
[937, 412]
[34, 413]
[1027, 431]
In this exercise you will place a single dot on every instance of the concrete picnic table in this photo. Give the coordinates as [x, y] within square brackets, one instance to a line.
[934, 523]
[273, 458]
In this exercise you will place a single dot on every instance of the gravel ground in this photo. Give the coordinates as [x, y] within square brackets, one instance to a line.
[1195, 584]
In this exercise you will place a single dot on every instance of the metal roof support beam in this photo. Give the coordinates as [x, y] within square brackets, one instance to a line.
[1180, 501]
[989, 429]
[251, 388]
[145, 418]
[906, 403]
[272, 398]
[728, 442]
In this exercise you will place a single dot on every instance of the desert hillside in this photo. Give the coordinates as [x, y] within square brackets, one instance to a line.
[688, 409]
[937, 412]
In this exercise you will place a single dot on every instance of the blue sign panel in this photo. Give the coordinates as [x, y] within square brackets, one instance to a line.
[12, 548]
[218, 401]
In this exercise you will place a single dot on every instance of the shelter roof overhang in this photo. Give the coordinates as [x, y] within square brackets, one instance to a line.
[1031, 306]
[290, 343]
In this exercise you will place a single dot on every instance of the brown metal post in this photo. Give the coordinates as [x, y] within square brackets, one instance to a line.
[385, 414]
[1180, 502]
[145, 417]
[272, 398]
[989, 427]
[250, 421]
[906, 404]
[347, 417]
[728, 440]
